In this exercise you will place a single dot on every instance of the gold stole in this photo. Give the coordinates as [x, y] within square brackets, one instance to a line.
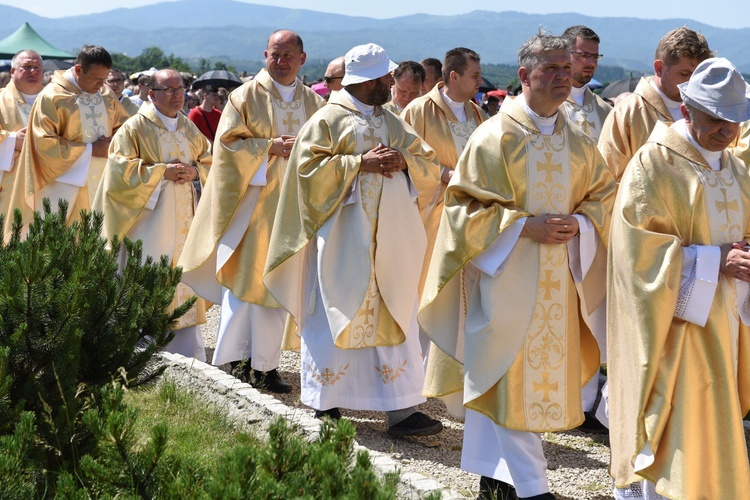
[373, 325]
[290, 116]
[175, 146]
[725, 216]
[94, 124]
[24, 109]
[585, 116]
[541, 389]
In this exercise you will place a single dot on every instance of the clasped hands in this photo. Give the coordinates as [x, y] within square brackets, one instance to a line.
[382, 160]
[735, 260]
[180, 172]
[550, 229]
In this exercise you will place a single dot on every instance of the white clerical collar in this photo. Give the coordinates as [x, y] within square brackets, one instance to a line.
[546, 125]
[457, 107]
[170, 123]
[71, 78]
[672, 106]
[713, 158]
[365, 109]
[577, 94]
[29, 98]
[286, 91]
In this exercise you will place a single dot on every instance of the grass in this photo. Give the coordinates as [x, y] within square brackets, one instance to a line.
[196, 429]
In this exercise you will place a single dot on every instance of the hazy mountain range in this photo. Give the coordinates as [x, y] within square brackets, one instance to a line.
[238, 31]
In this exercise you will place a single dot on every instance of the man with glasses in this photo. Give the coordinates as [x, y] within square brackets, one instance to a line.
[227, 245]
[655, 99]
[584, 108]
[147, 190]
[408, 79]
[69, 131]
[116, 83]
[15, 105]
[334, 74]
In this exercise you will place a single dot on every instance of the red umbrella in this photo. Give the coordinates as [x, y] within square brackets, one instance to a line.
[498, 93]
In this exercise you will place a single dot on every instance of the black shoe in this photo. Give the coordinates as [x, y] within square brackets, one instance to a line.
[591, 425]
[494, 489]
[271, 381]
[332, 413]
[241, 369]
[416, 424]
[543, 496]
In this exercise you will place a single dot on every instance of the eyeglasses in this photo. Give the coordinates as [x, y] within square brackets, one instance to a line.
[113, 81]
[587, 55]
[171, 90]
[329, 79]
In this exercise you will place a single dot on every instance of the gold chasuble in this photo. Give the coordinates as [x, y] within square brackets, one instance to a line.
[254, 115]
[63, 121]
[139, 203]
[629, 124]
[435, 122]
[741, 147]
[129, 106]
[527, 351]
[677, 390]
[370, 243]
[591, 115]
[14, 115]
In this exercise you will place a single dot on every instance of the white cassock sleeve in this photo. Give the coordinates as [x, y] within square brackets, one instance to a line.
[7, 148]
[492, 260]
[700, 277]
[582, 248]
[78, 173]
[259, 179]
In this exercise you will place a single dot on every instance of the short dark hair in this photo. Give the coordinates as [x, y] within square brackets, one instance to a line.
[409, 69]
[145, 80]
[298, 39]
[91, 55]
[457, 60]
[433, 63]
[579, 31]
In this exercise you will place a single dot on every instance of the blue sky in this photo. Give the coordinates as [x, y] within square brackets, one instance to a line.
[723, 13]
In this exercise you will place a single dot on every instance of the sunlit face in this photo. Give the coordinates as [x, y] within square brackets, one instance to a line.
[584, 60]
[382, 90]
[465, 86]
[28, 76]
[671, 76]
[405, 90]
[284, 57]
[168, 94]
[115, 82]
[710, 132]
[550, 80]
[91, 81]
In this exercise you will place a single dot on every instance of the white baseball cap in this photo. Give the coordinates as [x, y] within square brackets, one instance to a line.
[717, 88]
[366, 62]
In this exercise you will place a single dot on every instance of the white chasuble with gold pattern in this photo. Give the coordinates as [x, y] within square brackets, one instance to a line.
[94, 125]
[372, 357]
[461, 133]
[585, 116]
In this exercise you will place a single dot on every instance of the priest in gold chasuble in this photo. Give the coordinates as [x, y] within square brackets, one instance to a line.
[70, 128]
[519, 265]
[16, 99]
[445, 118]
[147, 192]
[347, 249]
[678, 310]
[655, 99]
[227, 246]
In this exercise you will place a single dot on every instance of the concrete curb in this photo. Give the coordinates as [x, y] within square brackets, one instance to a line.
[244, 404]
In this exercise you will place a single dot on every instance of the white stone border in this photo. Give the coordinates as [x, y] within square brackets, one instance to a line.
[240, 395]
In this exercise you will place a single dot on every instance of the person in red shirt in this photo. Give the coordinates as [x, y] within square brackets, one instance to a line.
[206, 115]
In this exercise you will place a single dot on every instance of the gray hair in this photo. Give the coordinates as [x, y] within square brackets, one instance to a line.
[531, 50]
[14, 61]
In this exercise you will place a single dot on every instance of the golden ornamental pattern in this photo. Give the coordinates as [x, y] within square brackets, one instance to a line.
[327, 377]
[389, 375]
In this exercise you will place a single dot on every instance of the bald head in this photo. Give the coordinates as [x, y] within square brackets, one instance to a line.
[334, 74]
[167, 92]
[284, 56]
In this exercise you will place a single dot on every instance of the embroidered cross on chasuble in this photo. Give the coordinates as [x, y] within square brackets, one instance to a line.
[373, 325]
[585, 116]
[461, 133]
[94, 125]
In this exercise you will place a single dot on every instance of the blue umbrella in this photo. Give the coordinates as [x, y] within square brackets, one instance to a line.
[594, 84]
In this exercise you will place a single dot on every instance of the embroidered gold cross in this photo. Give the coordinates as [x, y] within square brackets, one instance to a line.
[93, 116]
[548, 284]
[545, 387]
[367, 311]
[725, 205]
[548, 167]
[289, 122]
[327, 375]
[586, 124]
[371, 138]
[174, 154]
[386, 372]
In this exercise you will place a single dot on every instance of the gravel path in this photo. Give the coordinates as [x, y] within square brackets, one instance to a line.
[577, 463]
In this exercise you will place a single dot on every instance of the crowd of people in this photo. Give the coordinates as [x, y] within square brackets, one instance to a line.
[412, 242]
